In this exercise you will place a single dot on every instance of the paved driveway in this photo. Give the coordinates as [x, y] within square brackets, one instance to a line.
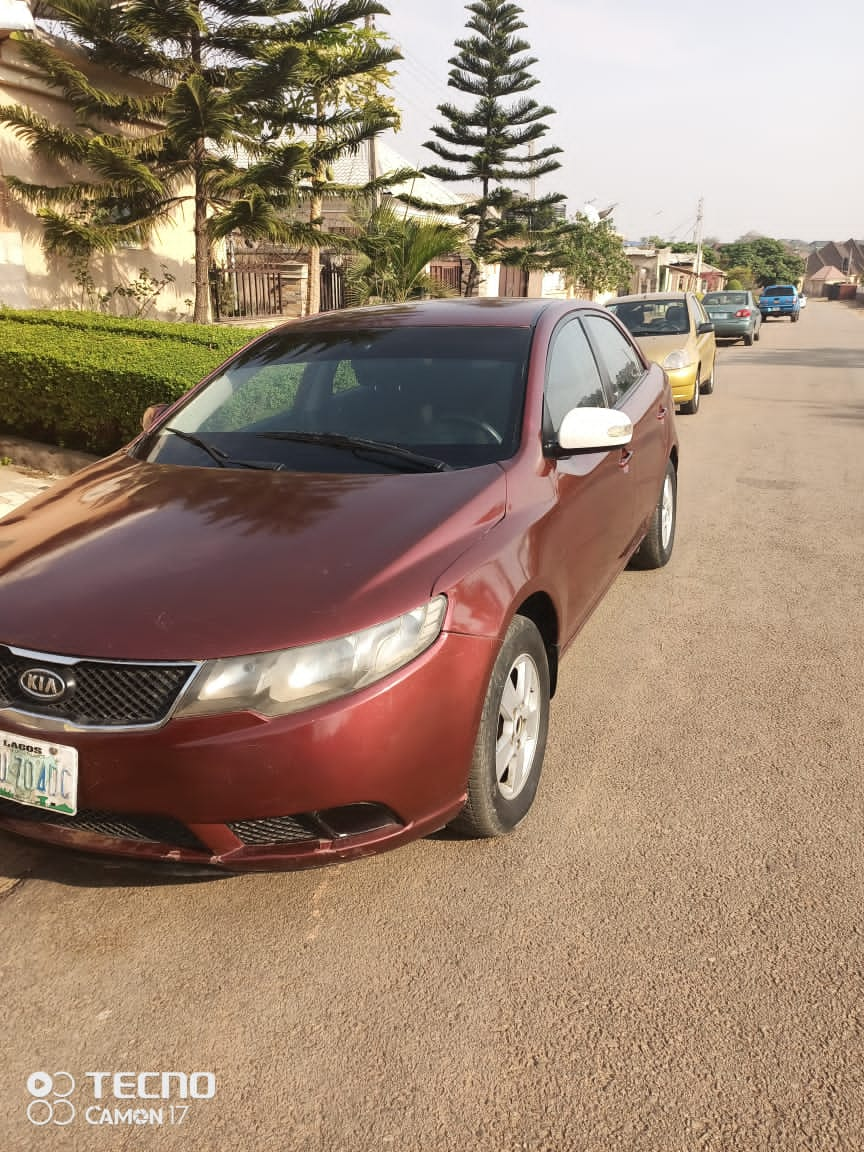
[668, 956]
[18, 485]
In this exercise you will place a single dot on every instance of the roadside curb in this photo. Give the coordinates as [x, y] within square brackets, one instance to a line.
[44, 457]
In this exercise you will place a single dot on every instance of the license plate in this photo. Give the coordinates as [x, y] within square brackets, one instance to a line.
[39, 773]
[720, 315]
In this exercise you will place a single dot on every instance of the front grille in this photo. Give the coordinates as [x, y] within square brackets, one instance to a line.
[276, 830]
[329, 824]
[115, 825]
[100, 694]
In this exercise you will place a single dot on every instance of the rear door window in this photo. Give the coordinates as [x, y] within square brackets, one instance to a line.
[572, 376]
[617, 354]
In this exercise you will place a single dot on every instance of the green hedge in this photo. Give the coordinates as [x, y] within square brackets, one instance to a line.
[83, 380]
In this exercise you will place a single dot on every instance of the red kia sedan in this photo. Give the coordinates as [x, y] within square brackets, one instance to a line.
[316, 608]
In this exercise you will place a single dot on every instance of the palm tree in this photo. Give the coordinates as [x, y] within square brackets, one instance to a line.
[394, 255]
[220, 90]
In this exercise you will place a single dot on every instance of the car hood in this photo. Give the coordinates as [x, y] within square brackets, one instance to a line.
[657, 348]
[129, 560]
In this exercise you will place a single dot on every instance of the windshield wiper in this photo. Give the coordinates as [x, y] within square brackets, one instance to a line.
[358, 444]
[222, 458]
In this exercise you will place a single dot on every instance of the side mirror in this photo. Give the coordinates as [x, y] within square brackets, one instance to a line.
[705, 327]
[151, 415]
[594, 429]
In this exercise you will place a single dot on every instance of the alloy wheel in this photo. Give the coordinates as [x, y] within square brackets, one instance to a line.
[519, 716]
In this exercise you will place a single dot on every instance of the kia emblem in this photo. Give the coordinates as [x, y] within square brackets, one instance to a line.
[43, 684]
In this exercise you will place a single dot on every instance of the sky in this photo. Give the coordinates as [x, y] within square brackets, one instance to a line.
[755, 108]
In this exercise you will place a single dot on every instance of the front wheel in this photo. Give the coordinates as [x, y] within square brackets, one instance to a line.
[511, 740]
[692, 405]
[708, 387]
[794, 317]
[656, 548]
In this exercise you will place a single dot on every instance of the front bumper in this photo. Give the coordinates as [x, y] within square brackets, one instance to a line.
[349, 778]
[683, 383]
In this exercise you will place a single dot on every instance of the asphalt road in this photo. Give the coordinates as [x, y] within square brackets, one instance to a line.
[666, 956]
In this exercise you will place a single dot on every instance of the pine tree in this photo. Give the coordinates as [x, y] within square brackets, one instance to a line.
[208, 124]
[493, 144]
[337, 107]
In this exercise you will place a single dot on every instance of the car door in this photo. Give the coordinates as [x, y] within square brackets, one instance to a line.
[643, 395]
[705, 341]
[589, 525]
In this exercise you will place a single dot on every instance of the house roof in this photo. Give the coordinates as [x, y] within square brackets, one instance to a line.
[827, 273]
[835, 254]
[355, 170]
[690, 265]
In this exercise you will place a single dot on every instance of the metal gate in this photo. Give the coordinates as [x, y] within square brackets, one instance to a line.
[332, 285]
[256, 284]
[513, 281]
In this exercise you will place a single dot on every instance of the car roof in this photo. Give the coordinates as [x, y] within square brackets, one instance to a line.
[497, 311]
[652, 296]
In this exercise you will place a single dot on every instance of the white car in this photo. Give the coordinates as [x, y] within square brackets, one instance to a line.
[802, 299]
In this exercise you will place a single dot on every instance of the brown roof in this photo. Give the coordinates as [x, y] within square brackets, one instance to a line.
[834, 254]
[827, 272]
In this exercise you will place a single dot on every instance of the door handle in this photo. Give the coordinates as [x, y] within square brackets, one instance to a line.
[626, 457]
[661, 412]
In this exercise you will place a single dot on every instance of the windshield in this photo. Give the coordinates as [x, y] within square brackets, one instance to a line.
[653, 317]
[323, 401]
[727, 299]
[778, 290]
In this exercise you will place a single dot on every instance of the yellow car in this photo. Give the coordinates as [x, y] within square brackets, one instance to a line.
[673, 330]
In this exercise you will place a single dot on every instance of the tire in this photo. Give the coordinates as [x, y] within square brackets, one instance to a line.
[749, 338]
[757, 332]
[656, 548]
[517, 699]
[692, 406]
[708, 387]
[794, 317]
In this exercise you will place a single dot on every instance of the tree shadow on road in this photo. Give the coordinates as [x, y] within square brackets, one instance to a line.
[802, 357]
[827, 409]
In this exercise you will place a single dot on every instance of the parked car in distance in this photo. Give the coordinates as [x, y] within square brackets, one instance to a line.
[674, 331]
[780, 300]
[734, 314]
[802, 300]
[316, 609]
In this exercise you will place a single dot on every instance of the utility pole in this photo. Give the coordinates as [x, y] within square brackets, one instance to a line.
[371, 148]
[697, 265]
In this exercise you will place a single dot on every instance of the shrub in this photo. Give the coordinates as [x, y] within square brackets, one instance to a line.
[83, 380]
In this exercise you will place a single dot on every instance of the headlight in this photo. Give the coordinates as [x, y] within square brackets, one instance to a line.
[676, 360]
[277, 683]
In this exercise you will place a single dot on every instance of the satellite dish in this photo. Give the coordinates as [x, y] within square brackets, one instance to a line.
[590, 213]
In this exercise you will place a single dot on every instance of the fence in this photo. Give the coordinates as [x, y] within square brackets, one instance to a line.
[259, 285]
[332, 286]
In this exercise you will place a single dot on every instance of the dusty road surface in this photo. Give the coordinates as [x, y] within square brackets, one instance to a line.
[669, 954]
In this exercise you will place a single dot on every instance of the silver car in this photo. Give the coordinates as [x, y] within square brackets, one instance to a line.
[734, 313]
